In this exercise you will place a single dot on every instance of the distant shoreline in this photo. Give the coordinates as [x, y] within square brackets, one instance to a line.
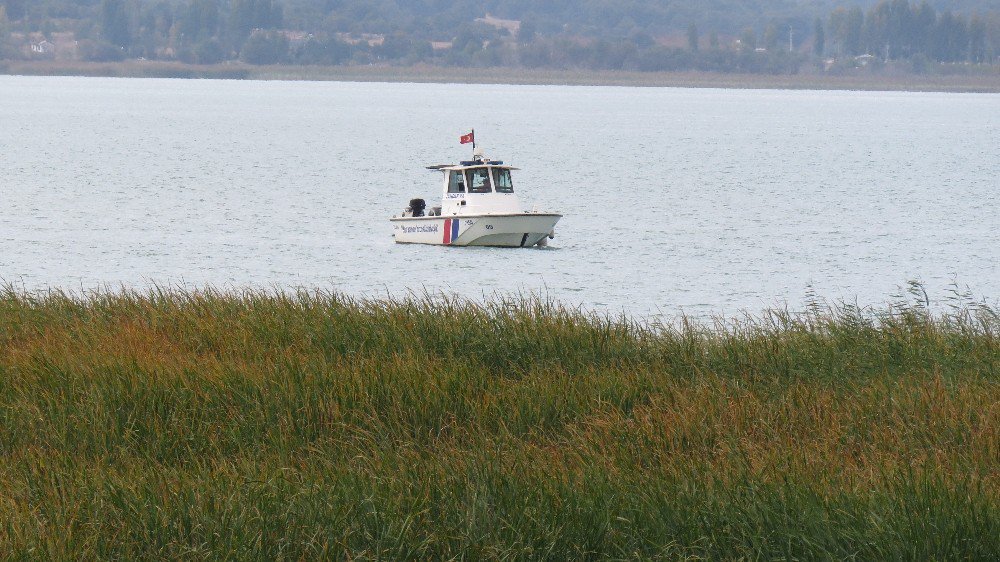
[986, 82]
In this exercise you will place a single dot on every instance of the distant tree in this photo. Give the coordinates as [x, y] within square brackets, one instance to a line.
[470, 38]
[159, 19]
[642, 40]
[536, 54]
[248, 15]
[526, 32]
[489, 55]
[14, 9]
[977, 40]
[900, 27]
[209, 16]
[100, 51]
[608, 55]
[265, 47]
[114, 23]
[270, 14]
[713, 39]
[323, 52]
[922, 22]
[200, 20]
[395, 46]
[884, 26]
[241, 19]
[951, 38]
[419, 51]
[209, 52]
[772, 37]
[837, 24]
[853, 27]
[693, 38]
[819, 38]
[186, 55]
[992, 38]
[748, 40]
[4, 32]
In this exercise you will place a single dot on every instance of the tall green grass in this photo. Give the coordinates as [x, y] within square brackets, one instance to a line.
[311, 424]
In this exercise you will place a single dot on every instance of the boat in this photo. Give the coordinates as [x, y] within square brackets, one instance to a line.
[478, 208]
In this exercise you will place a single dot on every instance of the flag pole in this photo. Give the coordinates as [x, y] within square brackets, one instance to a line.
[473, 144]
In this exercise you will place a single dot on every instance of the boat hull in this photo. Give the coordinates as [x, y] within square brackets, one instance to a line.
[509, 230]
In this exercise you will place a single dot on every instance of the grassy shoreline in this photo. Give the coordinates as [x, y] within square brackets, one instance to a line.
[987, 82]
[300, 425]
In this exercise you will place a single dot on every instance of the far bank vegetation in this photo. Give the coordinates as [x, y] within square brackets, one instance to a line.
[711, 35]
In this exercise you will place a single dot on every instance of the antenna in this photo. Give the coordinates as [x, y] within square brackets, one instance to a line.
[789, 38]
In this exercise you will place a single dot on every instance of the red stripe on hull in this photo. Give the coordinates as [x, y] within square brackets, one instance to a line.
[447, 231]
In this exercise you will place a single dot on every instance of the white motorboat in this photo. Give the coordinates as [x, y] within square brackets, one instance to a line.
[478, 208]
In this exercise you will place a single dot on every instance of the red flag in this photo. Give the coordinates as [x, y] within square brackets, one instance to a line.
[466, 139]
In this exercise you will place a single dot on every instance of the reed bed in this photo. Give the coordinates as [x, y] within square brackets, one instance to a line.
[301, 425]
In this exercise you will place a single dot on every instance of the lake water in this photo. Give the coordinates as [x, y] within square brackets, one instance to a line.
[695, 200]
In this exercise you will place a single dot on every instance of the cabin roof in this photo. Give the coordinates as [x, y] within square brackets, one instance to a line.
[470, 164]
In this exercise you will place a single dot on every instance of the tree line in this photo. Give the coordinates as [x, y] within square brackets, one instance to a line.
[542, 34]
[896, 29]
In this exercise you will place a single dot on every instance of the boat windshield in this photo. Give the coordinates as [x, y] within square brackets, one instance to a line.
[456, 182]
[479, 180]
[502, 180]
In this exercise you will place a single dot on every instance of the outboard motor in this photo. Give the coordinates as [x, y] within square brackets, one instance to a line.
[417, 207]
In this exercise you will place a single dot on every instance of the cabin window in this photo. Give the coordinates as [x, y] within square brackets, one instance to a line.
[479, 180]
[456, 182]
[502, 181]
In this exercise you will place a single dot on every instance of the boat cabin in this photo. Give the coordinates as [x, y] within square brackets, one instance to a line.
[475, 187]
